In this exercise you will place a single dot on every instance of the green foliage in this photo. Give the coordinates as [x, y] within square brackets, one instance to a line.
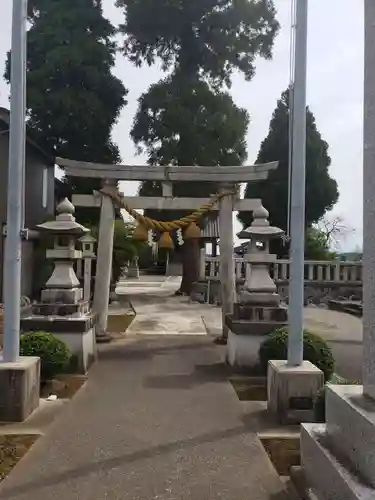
[211, 38]
[315, 350]
[180, 124]
[321, 189]
[52, 351]
[181, 120]
[320, 406]
[317, 245]
[125, 249]
[73, 99]
[186, 119]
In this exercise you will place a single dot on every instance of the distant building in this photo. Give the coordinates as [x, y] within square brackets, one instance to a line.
[39, 197]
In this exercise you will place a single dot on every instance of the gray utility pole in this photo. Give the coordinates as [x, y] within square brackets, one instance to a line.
[298, 181]
[17, 136]
[368, 370]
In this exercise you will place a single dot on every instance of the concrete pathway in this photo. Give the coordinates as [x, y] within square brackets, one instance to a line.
[156, 420]
[160, 312]
[149, 294]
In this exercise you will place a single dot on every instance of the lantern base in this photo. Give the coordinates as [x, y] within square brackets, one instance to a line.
[248, 326]
[260, 298]
[61, 295]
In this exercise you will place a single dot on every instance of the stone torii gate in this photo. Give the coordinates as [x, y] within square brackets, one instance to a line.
[227, 176]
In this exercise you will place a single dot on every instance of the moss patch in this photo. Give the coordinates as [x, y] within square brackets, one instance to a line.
[250, 388]
[283, 451]
[12, 449]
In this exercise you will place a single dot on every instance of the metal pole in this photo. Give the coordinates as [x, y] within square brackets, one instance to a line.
[24, 105]
[13, 243]
[298, 180]
[368, 364]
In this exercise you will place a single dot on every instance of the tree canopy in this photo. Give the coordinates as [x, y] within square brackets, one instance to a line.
[73, 99]
[209, 38]
[187, 118]
[321, 189]
[189, 126]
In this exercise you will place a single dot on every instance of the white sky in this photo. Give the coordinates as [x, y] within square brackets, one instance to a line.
[335, 93]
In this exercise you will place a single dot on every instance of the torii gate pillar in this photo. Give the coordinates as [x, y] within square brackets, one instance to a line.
[104, 261]
[227, 274]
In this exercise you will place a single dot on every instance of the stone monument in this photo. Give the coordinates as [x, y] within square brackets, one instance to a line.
[62, 310]
[258, 310]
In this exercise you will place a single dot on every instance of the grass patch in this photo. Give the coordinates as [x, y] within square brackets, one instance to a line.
[120, 322]
[250, 388]
[12, 448]
[283, 451]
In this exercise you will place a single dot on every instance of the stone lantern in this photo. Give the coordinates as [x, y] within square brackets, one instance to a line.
[63, 286]
[259, 287]
[88, 244]
[257, 311]
[63, 310]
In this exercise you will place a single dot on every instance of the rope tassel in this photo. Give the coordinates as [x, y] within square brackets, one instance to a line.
[140, 233]
[165, 241]
[192, 232]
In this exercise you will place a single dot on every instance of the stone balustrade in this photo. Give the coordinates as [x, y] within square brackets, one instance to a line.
[332, 271]
[324, 280]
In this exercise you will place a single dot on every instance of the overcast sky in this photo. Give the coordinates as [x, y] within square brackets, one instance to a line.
[335, 92]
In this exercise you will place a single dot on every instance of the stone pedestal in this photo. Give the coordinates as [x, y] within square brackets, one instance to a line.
[19, 389]
[74, 325]
[248, 327]
[242, 350]
[291, 391]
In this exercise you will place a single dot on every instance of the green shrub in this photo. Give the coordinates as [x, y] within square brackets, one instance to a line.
[53, 352]
[125, 249]
[315, 349]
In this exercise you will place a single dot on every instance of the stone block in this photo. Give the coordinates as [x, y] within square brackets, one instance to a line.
[242, 350]
[325, 475]
[291, 390]
[77, 333]
[19, 389]
[258, 313]
[79, 309]
[350, 420]
[82, 347]
[67, 296]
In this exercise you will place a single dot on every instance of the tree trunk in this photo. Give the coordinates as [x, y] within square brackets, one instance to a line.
[190, 265]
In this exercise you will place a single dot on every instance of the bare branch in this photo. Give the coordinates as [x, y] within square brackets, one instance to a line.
[334, 230]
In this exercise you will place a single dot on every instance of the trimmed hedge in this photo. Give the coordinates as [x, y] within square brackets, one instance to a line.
[315, 350]
[53, 352]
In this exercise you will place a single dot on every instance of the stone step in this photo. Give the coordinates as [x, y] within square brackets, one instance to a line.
[325, 475]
